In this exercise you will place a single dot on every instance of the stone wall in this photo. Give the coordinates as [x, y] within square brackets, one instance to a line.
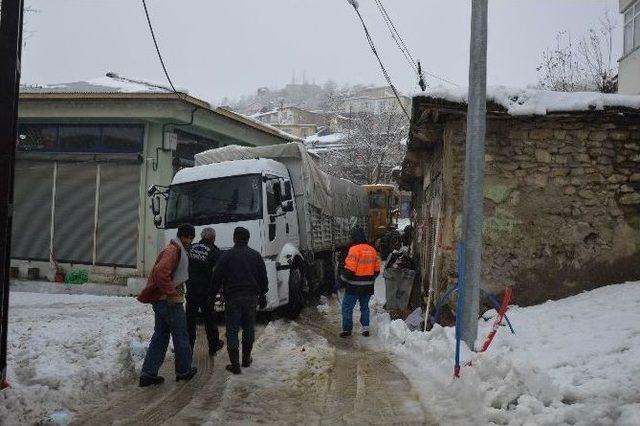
[562, 203]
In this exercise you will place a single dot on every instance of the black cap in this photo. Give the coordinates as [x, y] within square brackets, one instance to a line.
[357, 235]
[241, 234]
[186, 230]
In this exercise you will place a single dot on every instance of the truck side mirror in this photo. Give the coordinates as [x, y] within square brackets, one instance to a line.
[287, 191]
[155, 205]
[287, 206]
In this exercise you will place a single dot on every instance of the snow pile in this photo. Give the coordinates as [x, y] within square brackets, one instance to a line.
[529, 101]
[66, 349]
[573, 361]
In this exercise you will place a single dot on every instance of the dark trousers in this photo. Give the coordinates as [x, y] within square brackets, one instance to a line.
[170, 321]
[195, 304]
[240, 312]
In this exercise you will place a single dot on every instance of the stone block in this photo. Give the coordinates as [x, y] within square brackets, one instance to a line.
[615, 178]
[577, 171]
[570, 190]
[604, 160]
[561, 159]
[630, 199]
[560, 135]
[619, 135]
[508, 166]
[583, 158]
[586, 193]
[626, 189]
[635, 177]
[518, 134]
[635, 158]
[498, 193]
[598, 135]
[543, 156]
[540, 134]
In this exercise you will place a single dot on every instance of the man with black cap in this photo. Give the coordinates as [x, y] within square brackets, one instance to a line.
[242, 275]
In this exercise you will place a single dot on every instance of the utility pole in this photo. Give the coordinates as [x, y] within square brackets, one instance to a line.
[474, 171]
[11, 13]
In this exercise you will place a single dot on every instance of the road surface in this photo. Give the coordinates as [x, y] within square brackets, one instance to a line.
[303, 374]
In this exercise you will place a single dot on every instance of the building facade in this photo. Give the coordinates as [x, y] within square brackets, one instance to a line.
[561, 192]
[87, 151]
[295, 121]
[374, 100]
[629, 64]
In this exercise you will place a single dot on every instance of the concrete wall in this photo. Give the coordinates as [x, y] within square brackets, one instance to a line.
[629, 74]
[562, 203]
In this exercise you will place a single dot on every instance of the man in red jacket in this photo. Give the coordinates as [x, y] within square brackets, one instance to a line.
[165, 290]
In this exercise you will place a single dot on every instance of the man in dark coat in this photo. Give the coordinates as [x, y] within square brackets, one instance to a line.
[202, 259]
[242, 275]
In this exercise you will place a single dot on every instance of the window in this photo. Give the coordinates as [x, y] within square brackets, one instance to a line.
[632, 28]
[79, 138]
[222, 200]
[122, 138]
[38, 137]
[108, 138]
[274, 195]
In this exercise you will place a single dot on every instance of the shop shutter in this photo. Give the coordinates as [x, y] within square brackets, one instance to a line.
[32, 210]
[74, 212]
[118, 215]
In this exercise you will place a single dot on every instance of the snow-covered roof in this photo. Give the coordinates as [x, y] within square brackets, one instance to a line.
[110, 83]
[114, 85]
[530, 101]
[317, 144]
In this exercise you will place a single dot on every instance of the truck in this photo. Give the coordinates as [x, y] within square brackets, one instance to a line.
[299, 217]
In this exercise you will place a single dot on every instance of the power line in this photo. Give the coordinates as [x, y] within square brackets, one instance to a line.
[395, 34]
[375, 52]
[155, 42]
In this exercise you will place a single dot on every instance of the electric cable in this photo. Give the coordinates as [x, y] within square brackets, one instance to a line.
[375, 52]
[395, 34]
[155, 42]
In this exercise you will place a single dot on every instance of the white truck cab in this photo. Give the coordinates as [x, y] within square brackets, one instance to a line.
[295, 235]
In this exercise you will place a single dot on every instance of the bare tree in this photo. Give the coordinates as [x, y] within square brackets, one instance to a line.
[373, 146]
[585, 65]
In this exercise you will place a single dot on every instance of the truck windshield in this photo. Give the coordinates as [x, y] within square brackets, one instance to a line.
[227, 199]
[377, 200]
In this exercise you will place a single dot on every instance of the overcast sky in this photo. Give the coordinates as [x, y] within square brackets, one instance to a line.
[218, 48]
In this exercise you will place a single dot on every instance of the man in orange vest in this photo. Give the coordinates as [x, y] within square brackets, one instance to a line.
[358, 273]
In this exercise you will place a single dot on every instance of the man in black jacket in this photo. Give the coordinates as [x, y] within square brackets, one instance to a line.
[242, 274]
[202, 259]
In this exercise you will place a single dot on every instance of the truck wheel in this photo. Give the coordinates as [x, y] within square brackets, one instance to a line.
[296, 294]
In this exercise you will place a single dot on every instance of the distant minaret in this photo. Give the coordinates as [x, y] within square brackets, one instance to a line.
[304, 77]
[293, 77]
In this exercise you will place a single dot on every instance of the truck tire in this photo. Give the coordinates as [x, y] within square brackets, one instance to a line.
[296, 294]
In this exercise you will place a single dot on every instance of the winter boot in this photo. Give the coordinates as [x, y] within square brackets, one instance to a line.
[365, 331]
[187, 376]
[234, 357]
[150, 380]
[345, 334]
[246, 355]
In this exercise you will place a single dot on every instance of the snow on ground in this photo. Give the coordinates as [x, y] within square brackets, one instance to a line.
[574, 361]
[290, 364]
[529, 101]
[67, 349]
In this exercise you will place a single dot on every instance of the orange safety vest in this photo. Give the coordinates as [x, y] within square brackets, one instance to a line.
[362, 261]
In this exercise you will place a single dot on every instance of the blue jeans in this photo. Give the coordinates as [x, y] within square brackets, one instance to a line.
[170, 320]
[348, 303]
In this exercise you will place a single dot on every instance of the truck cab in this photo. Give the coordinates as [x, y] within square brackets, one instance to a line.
[256, 194]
